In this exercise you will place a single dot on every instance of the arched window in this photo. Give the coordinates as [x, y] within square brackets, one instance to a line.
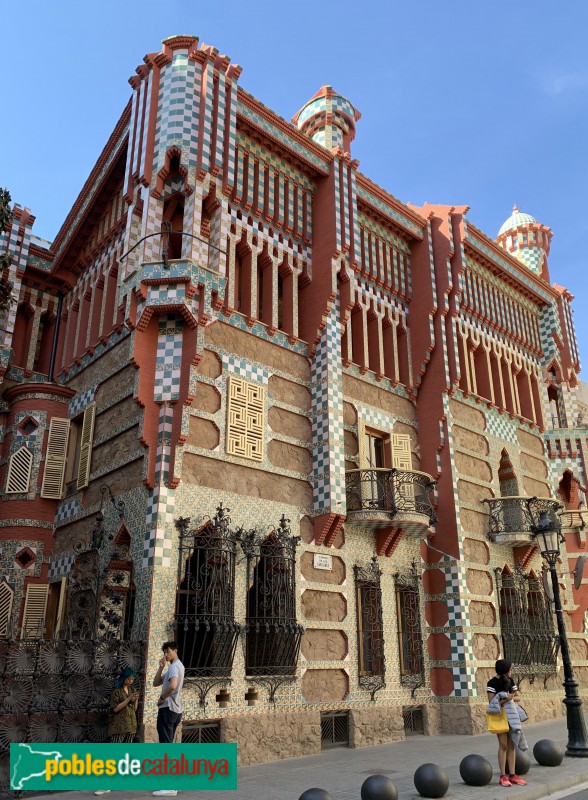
[272, 635]
[44, 343]
[173, 224]
[357, 340]
[482, 373]
[205, 628]
[21, 338]
[410, 639]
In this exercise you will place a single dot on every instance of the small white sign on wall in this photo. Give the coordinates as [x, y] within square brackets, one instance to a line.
[323, 562]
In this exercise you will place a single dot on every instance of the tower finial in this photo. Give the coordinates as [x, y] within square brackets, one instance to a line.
[515, 209]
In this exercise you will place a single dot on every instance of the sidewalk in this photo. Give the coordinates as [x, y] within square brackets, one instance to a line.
[341, 771]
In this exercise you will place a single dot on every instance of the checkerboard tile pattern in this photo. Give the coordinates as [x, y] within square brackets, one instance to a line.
[327, 420]
[161, 502]
[78, 403]
[245, 369]
[168, 359]
[60, 566]
[501, 427]
[67, 509]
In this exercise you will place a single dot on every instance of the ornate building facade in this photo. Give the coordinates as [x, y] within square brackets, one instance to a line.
[252, 401]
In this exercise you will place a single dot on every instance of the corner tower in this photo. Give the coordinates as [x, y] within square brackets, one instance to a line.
[329, 119]
[528, 240]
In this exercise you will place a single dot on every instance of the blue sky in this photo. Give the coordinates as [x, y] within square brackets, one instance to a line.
[462, 102]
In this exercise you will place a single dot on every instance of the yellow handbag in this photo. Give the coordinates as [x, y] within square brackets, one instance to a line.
[497, 723]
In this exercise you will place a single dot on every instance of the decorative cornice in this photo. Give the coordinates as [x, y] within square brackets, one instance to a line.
[97, 177]
[283, 132]
[390, 207]
[38, 389]
[495, 257]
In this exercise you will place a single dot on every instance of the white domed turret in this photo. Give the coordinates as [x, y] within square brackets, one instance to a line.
[527, 240]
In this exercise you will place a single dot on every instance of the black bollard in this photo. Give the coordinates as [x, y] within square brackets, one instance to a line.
[431, 781]
[378, 787]
[476, 770]
[315, 794]
[547, 753]
[522, 762]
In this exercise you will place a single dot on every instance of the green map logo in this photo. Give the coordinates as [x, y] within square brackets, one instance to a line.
[62, 767]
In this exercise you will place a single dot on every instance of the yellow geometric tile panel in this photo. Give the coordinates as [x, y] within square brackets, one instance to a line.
[401, 451]
[245, 419]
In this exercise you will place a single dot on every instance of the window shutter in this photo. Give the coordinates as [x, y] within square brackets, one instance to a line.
[6, 598]
[361, 444]
[86, 440]
[55, 457]
[19, 471]
[61, 606]
[245, 419]
[33, 620]
[401, 451]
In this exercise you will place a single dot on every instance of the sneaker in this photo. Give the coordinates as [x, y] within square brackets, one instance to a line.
[504, 781]
[102, 791]
[166, 793]
[516, 781]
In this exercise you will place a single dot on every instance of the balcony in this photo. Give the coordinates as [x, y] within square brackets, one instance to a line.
[512, 519]
[379, 498]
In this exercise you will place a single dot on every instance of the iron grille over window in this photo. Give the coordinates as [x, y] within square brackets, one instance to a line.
[410, 640]
[272, 639]
[334, 729]
[370, 627]
[201, 732]
[528, 636]
[206, 631]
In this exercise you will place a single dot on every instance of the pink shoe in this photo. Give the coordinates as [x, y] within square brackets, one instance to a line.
[516, 781]
[504, 781]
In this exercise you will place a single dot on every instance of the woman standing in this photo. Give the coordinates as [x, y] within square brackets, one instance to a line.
[503, 682]
[122, 717]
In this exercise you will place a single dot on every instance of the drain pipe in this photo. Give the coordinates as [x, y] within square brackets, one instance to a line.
[55, 335]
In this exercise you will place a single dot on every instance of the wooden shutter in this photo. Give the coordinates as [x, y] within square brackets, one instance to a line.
[6, 598]
[60, 616]
[33, 620]
[55, 459]
[361, 444]
[19, 471]
[86, 439]
[401, 451]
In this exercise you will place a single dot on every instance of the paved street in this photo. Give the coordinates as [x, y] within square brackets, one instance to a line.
[342, 771]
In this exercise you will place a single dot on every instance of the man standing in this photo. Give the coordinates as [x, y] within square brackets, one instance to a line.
[169, 702]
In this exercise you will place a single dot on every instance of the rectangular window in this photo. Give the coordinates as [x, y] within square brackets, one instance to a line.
[410, 642]
[245, 419]
[370, 632]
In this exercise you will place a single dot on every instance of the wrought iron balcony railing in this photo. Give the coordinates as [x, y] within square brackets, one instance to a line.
[512, 519]
[375, 497]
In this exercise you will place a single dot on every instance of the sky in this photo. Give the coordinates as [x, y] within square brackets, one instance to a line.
[476, 103]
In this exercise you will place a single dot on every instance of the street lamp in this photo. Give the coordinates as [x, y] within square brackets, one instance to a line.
[547, 535]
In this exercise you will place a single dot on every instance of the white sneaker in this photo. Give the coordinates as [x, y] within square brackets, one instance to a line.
[164, 793]
[102, 791]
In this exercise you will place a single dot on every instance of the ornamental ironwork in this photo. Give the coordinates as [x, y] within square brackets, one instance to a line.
[509, 517]
[370, 627]
[410, 638]
[389, 492]
[272, 634]
[205, 625]
[528, 634]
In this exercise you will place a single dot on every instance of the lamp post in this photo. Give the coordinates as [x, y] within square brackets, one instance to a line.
[547, 535]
